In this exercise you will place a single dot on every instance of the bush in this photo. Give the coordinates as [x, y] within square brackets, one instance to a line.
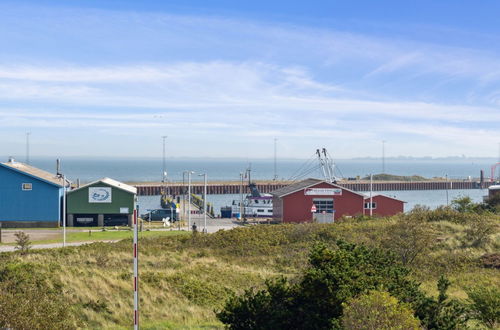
[334, 277]
[29, 300]
[463, 204]
[23, 242]
[491, 260]
[410, 236]
[378, 310]
[478, 232]
[485, 305]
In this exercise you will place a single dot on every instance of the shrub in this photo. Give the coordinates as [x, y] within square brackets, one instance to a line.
[410, 236]
[485, 305]
[378, 310]
[23, 242]
[491, 260]
[463, 204]
[30, 300]
[334, 277]
[478, 232]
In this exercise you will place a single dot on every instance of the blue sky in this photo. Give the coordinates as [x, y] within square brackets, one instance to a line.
[223, 78]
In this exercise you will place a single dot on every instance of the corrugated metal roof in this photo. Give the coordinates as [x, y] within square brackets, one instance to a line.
[34, 172]
[294, 187]
[382, 195]
[291, 188]
[113, 183]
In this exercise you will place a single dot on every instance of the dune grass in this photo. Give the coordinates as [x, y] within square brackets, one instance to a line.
[185, 278]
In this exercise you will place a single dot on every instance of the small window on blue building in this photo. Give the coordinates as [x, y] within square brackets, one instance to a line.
[27, 186]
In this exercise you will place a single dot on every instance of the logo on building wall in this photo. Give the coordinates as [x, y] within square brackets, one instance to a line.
[99, 195]
[323, 191]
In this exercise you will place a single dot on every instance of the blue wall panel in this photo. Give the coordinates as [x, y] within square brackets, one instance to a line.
[42, 203]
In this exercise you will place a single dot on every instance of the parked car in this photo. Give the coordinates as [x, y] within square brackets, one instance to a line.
[160, 214]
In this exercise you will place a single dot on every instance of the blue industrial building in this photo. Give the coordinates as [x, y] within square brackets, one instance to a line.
[29, 197]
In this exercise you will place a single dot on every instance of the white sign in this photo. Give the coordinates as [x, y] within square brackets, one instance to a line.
[323, 191]
[124, 210]
[313, 209]
[100, 195]
[84, 220]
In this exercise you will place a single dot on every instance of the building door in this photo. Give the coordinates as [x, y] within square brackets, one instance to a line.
[324, 210]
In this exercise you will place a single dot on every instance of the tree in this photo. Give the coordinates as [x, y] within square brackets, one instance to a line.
[378, 310]
[23, 242]
[409, 236]
[485, 305]
[463, 204]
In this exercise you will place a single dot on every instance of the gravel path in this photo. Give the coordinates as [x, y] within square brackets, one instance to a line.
[213, 225]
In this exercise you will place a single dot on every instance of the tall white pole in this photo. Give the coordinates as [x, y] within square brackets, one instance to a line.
[275, 161]
[205, 202]
[383, 156]
[136, 272]
[28, 148]
[183, 196]
[447, 203]
[241, 196]
[164, 167]
[189, 200]
[371, 195]
[64, 210]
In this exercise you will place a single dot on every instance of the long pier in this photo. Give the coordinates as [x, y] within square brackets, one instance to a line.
[152, 189]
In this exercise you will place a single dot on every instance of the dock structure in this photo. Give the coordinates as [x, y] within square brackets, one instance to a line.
[152, 189]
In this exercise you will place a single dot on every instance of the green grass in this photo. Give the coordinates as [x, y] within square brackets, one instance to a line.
[108, 235]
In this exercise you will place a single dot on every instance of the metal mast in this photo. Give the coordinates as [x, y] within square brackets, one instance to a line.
[275, 163]
[328, 164]
[383, 156]
[164, 172]
[28, 147]
[322, 164]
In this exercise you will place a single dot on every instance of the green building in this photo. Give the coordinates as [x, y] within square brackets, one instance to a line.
[105, 202]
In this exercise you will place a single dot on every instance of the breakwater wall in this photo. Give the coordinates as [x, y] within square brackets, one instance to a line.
[234, 187]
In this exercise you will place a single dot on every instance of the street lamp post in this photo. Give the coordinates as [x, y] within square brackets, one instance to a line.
[241, 196]
[204, 201]
[189, 198]
[184, 195]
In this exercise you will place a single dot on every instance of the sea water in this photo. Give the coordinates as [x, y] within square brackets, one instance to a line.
[150, 169]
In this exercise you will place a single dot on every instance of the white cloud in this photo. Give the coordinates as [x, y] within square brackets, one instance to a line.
[252, 80]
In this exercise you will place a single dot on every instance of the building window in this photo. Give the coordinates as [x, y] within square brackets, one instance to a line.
[27, 186]
[323, 205]
[367, 206]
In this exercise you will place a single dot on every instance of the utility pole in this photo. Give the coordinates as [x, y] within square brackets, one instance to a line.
[241, 195]
[498, 159]
[371, 195]
[275, 161]
[447, 201]
[189, 199]
[184, 195]
[28, 147]
[383, 156]
[164, 173]
[204, 201]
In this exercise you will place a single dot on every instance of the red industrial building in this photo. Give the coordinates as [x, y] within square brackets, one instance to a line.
[314, 200]
[383, 206]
